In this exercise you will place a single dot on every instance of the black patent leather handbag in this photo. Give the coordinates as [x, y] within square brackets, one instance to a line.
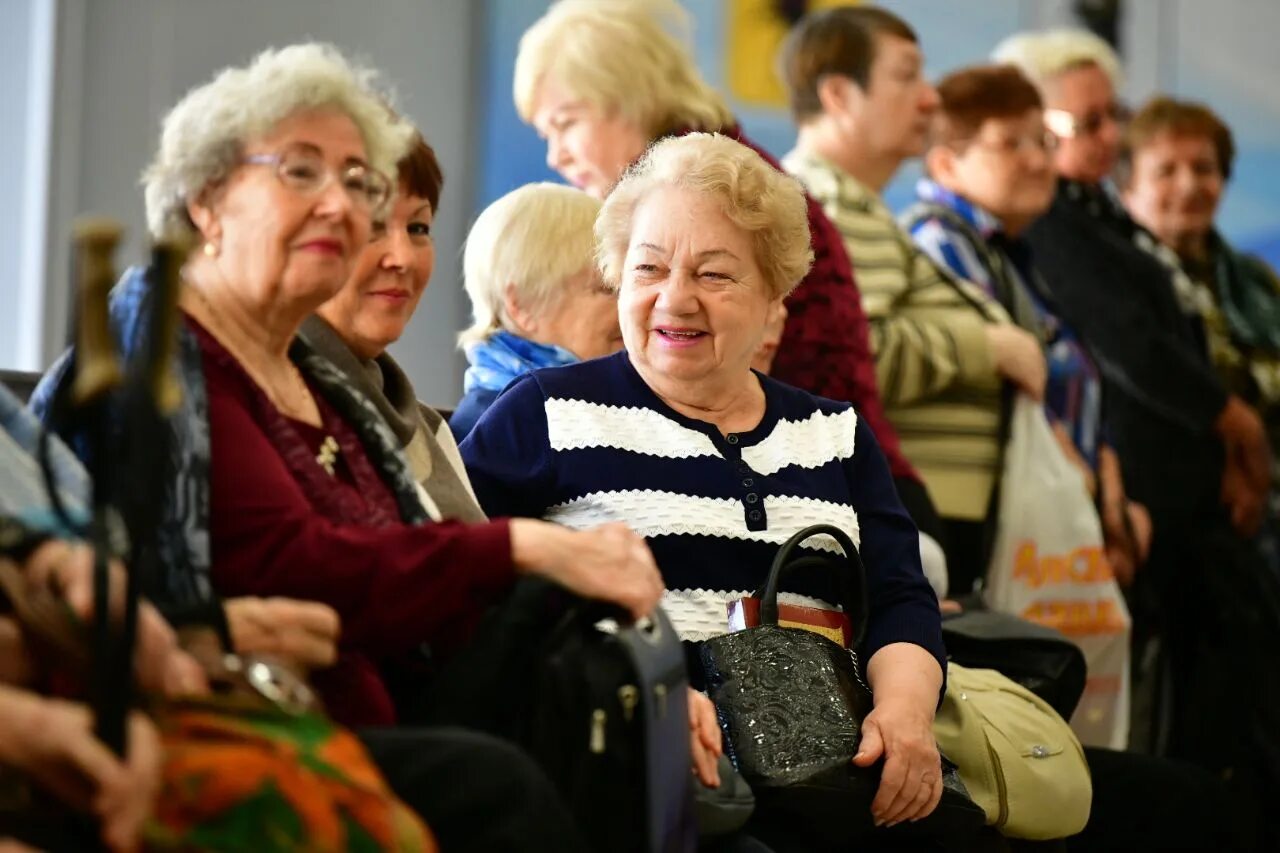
[791, 704]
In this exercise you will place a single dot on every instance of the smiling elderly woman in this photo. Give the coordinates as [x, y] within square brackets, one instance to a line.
[289, 483]
[714, 464]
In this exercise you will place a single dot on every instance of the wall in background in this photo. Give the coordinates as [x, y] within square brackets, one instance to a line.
[26, 94]
[121, 64]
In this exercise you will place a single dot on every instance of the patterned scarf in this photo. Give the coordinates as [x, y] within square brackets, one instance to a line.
[22, 487]
[504, 356]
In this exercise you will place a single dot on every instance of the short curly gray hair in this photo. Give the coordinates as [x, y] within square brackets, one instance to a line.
[756, 197]
[202, 136]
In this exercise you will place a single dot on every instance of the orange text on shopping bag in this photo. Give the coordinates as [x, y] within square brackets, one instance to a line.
[1078, 618]
[1081, 566]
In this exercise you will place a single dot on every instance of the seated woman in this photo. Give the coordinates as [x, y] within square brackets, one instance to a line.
[354, 328]
[1174, 165]
[990, 176]
[535, 293]
[714, 464]
[310, 497]
[600, 81]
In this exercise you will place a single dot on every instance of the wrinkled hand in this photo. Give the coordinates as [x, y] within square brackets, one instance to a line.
[52, 742]
[1245, 504]
[1068, 446]
[704, 738]
[1019, 358]
[300, 632]
[1140, 524]
[774, 325]
[1246, 475]
[16, 664]
[911, 782]
[161, 666]
[608, 563]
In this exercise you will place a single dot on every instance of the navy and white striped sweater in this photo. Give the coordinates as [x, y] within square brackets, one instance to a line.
[590, 443]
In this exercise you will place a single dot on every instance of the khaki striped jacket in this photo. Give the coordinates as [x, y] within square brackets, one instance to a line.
[935, 368]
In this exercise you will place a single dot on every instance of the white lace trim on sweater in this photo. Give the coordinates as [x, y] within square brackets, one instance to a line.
[577, 424]
[659, 513]
[810, 443]
[700, 614]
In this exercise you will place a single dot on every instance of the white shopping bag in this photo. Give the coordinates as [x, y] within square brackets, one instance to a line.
[1049, 566]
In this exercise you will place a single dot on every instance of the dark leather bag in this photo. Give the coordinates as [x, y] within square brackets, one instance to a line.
[1039, 658]
[792, 704]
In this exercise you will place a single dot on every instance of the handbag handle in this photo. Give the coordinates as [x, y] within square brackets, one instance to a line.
[852, 581]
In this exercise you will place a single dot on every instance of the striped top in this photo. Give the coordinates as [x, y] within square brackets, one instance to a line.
[591, 442]
[936, 372]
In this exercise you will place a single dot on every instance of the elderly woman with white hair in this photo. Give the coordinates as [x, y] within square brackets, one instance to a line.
[536, 296]
[713, 463]
[289, 483]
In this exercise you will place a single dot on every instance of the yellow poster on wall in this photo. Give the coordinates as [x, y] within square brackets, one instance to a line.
[756, 31]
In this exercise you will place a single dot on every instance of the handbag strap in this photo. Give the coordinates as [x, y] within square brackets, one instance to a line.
[850, 576]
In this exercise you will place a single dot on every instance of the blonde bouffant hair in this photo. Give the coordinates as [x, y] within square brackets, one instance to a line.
[767, 204]
[534, 239]
[623, 56]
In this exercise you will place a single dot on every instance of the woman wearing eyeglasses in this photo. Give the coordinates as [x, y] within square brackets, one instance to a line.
[990, 175]
[288, 481]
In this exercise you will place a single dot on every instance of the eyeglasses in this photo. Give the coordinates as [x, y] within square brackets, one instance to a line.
[1068, 126]
[1041, 143]
[306, 172]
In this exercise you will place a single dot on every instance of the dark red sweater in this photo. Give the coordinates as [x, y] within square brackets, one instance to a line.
[825, 347]
[395, 586]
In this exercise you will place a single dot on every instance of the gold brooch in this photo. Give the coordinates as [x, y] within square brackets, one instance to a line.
[328, 454]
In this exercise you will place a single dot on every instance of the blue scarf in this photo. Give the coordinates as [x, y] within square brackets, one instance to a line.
[504, 356]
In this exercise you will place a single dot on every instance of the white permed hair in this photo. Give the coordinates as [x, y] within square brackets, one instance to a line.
[1044, 55]
[767, 204]
[201, 138]
[535, 239]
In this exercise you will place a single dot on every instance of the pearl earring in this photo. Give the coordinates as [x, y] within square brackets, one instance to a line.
[210, 250]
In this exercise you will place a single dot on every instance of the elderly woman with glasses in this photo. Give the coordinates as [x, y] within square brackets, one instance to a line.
[715, 463]
[289, 482]
[990, 175]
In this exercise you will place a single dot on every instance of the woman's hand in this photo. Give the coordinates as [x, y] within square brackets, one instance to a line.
[52, 742]
[16, 665]
[1126, 526]
[161, 666]
[1019, 358]
[1069, 450]
[905, 682]
[300, 632]
[704, 738]
[608, 563]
